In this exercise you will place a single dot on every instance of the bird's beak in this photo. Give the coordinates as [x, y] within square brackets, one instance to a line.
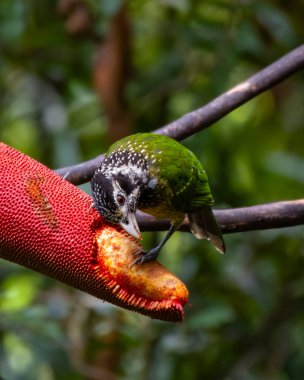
[130, 225]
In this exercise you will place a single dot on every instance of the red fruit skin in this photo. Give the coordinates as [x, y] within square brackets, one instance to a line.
[47, 225]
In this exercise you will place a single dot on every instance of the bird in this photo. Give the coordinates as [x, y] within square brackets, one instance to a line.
[155, 174]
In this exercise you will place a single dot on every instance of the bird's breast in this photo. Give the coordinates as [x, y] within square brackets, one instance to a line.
[163, 211]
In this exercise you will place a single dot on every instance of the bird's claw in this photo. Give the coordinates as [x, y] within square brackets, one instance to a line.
[139, 258]
[144, 256]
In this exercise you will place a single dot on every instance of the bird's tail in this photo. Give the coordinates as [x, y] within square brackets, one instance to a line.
[203, 225]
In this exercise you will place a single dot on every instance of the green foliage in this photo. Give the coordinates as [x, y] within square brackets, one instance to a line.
[247, 308]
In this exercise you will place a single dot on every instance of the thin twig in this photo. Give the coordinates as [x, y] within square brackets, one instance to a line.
[260, 217]
[205, 116]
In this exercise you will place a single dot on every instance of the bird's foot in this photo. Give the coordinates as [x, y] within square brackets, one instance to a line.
[145, 256]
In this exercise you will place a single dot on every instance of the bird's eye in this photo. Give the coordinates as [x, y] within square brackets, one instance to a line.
[120, 199]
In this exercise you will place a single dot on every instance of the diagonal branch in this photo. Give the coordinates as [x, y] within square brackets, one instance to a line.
[260, 217]
[213, 111]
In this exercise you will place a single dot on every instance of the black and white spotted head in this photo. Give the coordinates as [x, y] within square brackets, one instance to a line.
[116, 188]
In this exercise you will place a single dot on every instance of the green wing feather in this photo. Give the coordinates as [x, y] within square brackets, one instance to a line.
[175, 166]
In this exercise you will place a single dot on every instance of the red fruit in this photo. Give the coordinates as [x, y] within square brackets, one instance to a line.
[47, 225]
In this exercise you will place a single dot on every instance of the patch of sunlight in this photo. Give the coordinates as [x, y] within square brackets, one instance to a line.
[45, 372]
[217, 13]
[19, 355]
[17, 292]
[246, 116]
[181, 103]
[22, 134]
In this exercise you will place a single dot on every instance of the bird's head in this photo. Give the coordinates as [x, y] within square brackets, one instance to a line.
[115, 192]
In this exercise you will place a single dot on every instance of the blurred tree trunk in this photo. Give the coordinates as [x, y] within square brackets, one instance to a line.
[111, 72]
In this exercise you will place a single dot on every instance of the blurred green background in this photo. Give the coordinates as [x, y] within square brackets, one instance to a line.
[78, 74]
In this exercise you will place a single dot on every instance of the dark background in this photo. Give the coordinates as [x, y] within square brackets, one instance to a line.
[76, 75]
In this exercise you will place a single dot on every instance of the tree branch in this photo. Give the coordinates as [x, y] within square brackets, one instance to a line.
[213, 111]
[80, 173]
[260, 217]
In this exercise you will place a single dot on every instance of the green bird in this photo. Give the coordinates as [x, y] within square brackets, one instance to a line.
[159, 176]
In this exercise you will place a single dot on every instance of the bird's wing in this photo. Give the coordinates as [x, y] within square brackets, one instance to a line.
[188, 182]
